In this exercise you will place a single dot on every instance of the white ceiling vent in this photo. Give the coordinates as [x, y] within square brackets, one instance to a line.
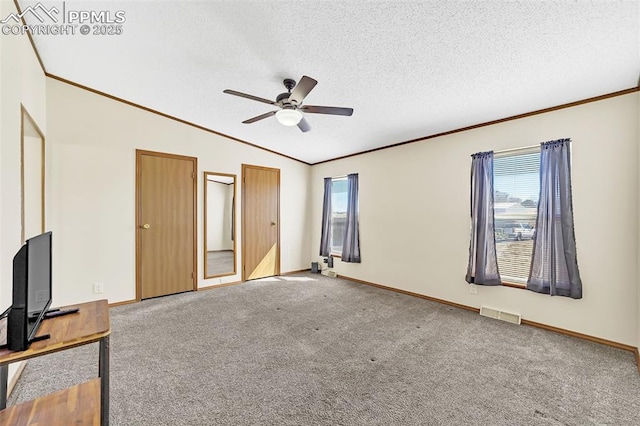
[500, 315]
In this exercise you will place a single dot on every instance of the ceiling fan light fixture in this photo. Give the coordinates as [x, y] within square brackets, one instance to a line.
[289, 117]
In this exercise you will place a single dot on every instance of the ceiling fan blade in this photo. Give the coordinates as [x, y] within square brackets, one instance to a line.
[244, 95]
[314, 109]
[302, 89]
[304, 125]
[260, 117]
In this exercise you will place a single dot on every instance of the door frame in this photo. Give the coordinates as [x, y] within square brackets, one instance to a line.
[244, 213]
[138, 213]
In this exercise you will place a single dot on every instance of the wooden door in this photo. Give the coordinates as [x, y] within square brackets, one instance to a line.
[260, 222]
[166, 224]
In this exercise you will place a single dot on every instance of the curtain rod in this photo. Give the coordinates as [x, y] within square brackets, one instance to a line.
[504, 151]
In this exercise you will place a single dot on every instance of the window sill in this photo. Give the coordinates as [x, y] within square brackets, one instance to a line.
[338, 255]
[514, 285]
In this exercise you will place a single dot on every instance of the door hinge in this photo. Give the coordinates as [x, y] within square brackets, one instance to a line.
[193, 275]
[193, 175]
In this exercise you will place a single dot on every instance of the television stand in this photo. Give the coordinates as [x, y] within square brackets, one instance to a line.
[41, 337]
[85, 403]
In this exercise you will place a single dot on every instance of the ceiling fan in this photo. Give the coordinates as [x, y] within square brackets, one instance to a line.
[290, 103]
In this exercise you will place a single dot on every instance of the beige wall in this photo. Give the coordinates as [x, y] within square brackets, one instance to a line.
[414, 216]
[21, 82]
[93, 140]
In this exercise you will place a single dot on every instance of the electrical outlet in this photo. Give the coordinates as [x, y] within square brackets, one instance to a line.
[473, 289]
[98, 288]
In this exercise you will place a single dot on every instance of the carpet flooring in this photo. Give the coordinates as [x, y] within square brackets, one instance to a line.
[220, 262]
[312, 350]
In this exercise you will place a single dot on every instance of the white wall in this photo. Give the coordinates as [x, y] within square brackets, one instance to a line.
[21, 82]
[92, 192]
[414, 216]
[219, 213]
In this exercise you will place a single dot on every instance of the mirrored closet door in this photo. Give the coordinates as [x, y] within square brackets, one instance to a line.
[219, 224]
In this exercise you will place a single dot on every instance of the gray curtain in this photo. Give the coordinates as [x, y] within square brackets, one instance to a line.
[325, 238]
[554, 266]
[351, 244]
[483, 262]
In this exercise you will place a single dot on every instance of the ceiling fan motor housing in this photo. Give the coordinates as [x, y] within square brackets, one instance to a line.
[283, 99]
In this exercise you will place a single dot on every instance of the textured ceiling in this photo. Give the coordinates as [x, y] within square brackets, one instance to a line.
[409, 69]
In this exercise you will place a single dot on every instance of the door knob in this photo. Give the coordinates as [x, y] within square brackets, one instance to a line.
[146, 226]
[273, 223]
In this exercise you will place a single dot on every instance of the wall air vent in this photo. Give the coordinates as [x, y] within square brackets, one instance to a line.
[500, 315]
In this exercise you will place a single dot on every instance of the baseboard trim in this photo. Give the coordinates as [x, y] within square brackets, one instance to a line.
[410, 293]
[214, 286]
[124, 302]
[295, 272]
[580, 335]
[524, 321]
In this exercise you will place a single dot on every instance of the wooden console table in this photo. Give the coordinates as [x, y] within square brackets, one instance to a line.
[83, 404]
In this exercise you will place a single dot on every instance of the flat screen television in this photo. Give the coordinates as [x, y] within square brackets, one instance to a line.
[31, 291]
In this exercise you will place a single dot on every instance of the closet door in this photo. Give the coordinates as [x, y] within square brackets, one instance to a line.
[166, 224]
[260, 222]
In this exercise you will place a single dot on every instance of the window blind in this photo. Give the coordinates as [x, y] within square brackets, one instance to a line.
[516, 177]
[338, 213]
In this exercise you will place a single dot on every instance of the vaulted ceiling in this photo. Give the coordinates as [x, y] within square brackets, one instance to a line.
[409, 69]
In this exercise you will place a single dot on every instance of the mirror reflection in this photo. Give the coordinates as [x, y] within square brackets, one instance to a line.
[219, 224]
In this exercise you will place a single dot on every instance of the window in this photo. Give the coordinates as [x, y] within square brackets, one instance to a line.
[338, 213]
[516, 180]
